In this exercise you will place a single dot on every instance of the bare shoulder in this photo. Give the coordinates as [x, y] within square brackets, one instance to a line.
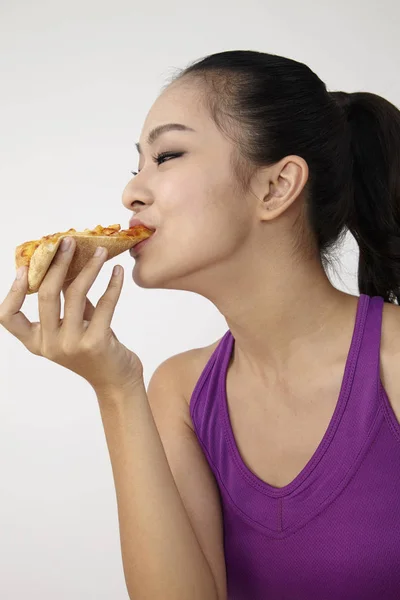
[179, 374]
[390, 355]
[186, 368]
[197, 358]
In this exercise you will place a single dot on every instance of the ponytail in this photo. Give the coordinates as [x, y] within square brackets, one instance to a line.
[374, 219]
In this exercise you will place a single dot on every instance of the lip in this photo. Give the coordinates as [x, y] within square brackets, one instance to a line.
[134, 222]
[134, 251]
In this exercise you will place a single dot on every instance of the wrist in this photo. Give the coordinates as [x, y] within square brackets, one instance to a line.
[120, 392]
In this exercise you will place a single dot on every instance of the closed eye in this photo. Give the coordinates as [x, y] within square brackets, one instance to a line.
[161, 157]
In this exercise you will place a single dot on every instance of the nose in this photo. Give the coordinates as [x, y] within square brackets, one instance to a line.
[131, 197]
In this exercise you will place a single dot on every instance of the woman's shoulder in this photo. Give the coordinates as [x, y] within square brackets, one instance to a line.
[191, 364]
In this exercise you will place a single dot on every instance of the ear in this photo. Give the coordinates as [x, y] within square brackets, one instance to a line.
[286, 182]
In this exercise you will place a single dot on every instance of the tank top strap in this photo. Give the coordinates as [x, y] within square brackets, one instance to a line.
[369, 357]
[366, 364]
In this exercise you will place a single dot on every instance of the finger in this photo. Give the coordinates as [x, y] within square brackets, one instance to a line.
[75, 295]
[50, 289]
[10, 316]
[101, 320]
[89, 311]
[89, 308]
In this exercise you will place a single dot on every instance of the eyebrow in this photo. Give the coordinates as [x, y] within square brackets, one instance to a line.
[157, 131]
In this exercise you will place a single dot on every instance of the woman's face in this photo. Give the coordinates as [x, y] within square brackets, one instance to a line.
[202, 223]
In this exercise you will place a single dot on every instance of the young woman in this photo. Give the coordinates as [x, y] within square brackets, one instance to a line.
[266, 465]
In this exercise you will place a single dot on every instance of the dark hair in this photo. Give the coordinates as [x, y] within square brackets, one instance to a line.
[272, 107]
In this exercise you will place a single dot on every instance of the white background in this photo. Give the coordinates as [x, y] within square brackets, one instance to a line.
[76, 82]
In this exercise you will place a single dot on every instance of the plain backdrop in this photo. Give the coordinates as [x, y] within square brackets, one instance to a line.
[76, 82]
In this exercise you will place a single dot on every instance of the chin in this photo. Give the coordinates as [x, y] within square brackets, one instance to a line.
[172, 273]
[148, 278]
[153, 278]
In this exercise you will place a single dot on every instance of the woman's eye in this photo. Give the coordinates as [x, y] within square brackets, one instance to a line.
[161, 157]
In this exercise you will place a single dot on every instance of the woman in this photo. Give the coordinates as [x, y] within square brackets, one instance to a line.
[266, 465]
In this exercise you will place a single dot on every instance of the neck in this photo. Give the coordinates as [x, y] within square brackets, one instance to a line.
[287, 325]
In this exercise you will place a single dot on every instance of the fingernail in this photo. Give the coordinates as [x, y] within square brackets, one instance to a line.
[20, 272]
[99, 251]
[65, 244]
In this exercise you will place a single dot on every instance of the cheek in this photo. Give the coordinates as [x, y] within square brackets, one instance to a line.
[197, 210]
[194, 187]
[199, 240]
[185, 205]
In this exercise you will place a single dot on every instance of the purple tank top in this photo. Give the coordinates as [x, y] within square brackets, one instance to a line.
[333, 533]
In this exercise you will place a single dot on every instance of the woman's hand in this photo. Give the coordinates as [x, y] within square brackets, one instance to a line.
[83, 340]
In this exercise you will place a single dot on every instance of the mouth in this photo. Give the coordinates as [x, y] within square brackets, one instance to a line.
[136, 249]
[134, 222]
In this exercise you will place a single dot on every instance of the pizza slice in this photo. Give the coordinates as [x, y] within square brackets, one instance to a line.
[37, 255]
